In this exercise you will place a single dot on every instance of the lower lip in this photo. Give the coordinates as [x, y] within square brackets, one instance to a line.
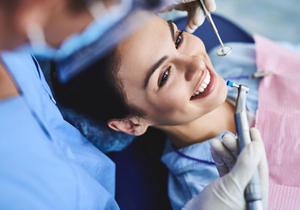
[210, 87]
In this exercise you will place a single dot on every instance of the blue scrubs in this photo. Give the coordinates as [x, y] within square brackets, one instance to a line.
[45, 163]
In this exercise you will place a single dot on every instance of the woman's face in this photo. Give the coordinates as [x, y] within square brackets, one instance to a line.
[168, 74]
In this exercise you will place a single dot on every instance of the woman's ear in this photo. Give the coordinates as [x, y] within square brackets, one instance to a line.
[130, 126]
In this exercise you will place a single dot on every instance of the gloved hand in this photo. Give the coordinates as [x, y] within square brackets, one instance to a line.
[196, 15]
[225, 153]
[227, 192]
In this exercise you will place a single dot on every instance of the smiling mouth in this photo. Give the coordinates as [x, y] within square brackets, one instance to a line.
[203, 86]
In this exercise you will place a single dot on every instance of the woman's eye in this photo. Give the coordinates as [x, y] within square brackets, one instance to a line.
[178, 39]
[164, 77]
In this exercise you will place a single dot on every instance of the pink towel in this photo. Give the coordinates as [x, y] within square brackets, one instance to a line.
[278, 119]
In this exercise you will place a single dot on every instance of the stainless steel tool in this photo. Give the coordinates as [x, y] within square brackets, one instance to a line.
[253, 192]
[224, 50]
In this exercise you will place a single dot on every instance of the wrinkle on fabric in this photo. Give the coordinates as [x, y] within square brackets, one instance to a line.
[278, 119]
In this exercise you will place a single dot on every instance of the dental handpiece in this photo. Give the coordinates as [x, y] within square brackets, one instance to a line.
[253, 192]
[224, 50]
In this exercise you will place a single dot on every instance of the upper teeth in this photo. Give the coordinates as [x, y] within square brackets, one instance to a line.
[203, 85]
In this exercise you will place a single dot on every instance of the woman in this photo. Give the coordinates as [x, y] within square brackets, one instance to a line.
[160, 77]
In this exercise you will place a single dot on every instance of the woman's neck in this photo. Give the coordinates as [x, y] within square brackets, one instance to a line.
[204, 128]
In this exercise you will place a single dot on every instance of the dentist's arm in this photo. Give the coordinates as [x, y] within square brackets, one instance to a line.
[227, 192]
[195, 16]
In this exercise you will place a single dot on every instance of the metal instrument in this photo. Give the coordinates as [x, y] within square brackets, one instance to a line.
[224, 50]
[253, 192]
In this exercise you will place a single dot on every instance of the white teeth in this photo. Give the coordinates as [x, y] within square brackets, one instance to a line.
[203, 85]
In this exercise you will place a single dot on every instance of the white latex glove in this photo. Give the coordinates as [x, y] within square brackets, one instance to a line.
[227, 192]
[196, 15]
[225, 153]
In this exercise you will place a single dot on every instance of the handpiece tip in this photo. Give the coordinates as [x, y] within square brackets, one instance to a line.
[229, 83]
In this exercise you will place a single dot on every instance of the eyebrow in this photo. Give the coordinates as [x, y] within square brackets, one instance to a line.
[170, 23]
[153, 69]
[160, 61]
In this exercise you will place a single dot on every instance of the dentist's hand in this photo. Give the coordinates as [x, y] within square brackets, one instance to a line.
[227, 192]
[196, 15]
[225, 153]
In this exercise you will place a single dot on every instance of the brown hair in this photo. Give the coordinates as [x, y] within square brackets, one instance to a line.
[97, 92]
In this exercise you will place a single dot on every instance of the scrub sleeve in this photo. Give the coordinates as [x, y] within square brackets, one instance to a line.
[45, 163]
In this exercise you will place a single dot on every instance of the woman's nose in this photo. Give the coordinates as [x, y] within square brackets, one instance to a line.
[193, 66]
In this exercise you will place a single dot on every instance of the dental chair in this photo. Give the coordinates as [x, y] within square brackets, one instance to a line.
[141, 178]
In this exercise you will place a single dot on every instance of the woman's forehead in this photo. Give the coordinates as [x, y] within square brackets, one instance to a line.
[146, 45]
[154, 25]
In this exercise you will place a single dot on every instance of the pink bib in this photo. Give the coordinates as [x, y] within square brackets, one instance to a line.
[278, 119]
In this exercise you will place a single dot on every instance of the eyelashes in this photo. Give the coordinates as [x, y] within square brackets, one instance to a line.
[166, 74]
[164, 77]
[178, 39]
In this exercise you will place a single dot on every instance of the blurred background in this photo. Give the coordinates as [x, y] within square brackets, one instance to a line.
[278, 20]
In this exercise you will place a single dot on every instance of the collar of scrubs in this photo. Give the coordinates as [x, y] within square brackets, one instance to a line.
[201, 151]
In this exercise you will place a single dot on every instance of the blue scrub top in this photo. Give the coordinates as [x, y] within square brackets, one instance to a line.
[45, 163]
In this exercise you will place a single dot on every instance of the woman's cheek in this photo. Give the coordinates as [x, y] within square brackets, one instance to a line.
[176, 98]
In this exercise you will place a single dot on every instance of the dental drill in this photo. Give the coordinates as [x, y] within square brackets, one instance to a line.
[224, 50]
[253, 192]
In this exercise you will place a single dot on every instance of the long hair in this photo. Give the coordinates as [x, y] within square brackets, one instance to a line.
[97, 91]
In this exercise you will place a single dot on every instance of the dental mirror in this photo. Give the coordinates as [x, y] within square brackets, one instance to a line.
[224, 50]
